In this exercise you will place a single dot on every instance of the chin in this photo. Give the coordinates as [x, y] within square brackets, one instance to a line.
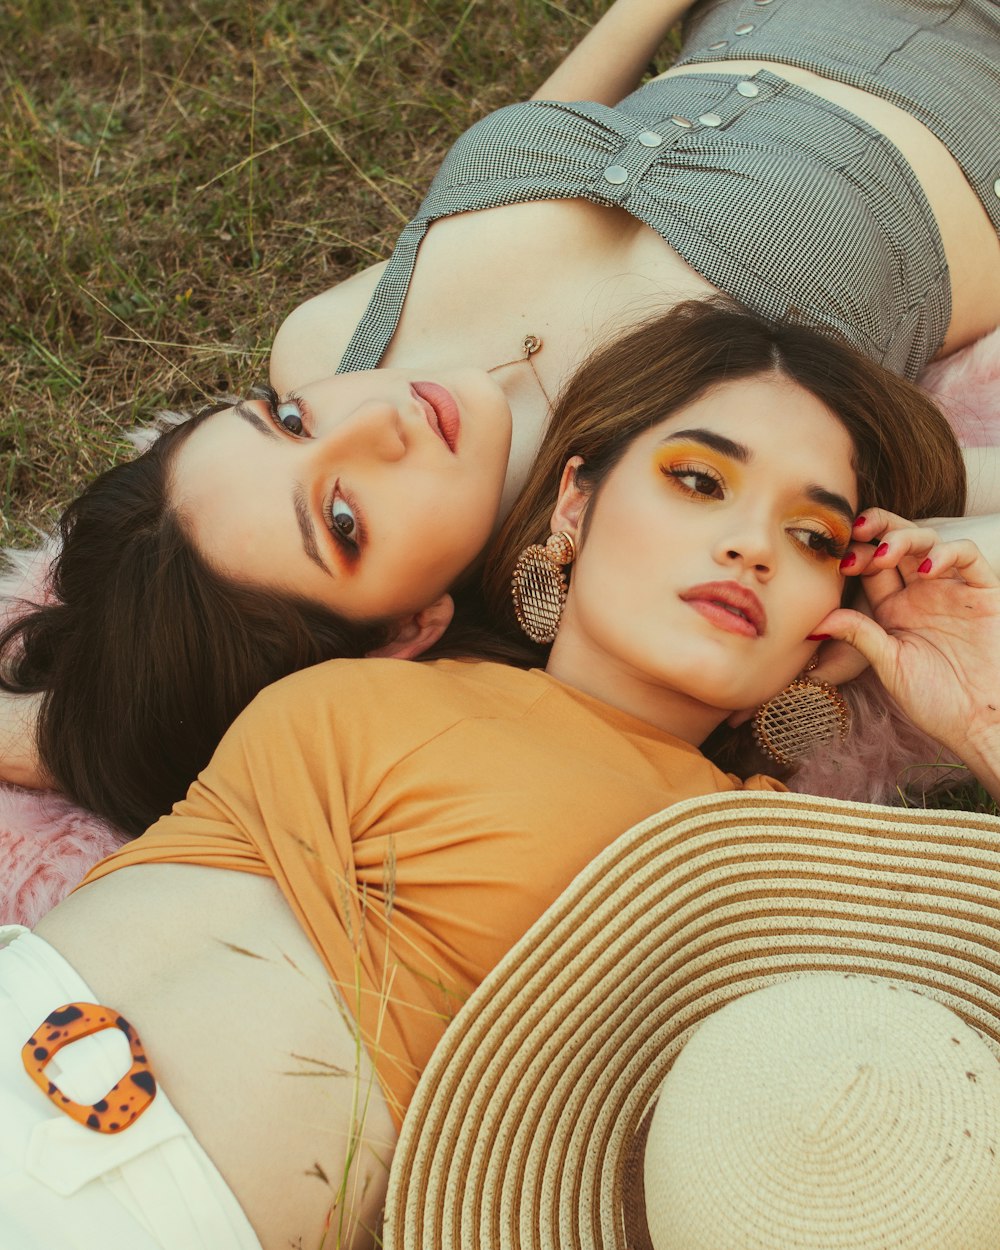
[726, 697]
[715, 698]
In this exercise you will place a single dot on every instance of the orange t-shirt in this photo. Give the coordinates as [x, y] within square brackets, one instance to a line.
[419, 818]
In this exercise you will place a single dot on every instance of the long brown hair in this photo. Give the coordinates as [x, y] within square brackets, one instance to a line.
[145, 656]
[907, 459]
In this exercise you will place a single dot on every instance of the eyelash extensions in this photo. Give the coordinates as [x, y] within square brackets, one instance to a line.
[818, 543]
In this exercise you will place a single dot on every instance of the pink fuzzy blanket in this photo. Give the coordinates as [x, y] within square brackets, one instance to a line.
[47, 844]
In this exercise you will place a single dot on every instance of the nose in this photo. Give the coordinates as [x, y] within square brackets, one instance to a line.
[746, 543]
[374, 430]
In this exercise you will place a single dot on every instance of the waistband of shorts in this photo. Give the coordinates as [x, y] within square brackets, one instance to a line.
[154, 1153]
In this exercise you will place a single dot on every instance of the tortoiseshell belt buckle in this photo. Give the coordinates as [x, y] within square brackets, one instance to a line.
[124, 1102]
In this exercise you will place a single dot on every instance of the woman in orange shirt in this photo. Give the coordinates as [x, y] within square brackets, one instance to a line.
[370, 838]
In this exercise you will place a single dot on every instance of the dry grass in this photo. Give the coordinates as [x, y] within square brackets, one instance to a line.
[176, 176]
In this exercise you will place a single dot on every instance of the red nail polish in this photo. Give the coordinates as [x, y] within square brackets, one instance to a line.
[881, 550]
[848, 560]
[860, 520]
[925, 567]
[818, 637]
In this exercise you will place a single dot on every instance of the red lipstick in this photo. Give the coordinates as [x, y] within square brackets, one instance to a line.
[729, 606]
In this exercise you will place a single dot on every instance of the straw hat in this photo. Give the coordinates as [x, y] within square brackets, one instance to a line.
[828, 1111]
[528, 1129]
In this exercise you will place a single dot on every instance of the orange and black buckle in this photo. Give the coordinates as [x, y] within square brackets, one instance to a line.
[124, 1102]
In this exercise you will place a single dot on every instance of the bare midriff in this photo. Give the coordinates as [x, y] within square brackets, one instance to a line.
[245, 1032]
[971, 245]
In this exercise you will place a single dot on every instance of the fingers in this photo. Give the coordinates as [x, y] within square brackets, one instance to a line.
[917, 554]
[913, 552]
[838, 663]
[964, 559]
[861, 633]
[873, 523]
[886, 548]
[904, 547]
[984, 530]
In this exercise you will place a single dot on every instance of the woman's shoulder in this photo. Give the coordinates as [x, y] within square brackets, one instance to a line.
[428, 696]
[314, 336]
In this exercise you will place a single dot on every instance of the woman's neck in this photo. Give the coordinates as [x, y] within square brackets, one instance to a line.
[632, 692]
[524, 386]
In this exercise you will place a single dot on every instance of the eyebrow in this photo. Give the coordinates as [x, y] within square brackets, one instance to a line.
[718, 442]
[243, 410]
[836, 503]
[303, 517]
[743, 455]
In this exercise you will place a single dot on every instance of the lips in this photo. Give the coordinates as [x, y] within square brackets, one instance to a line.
[729, 606]
[441, 410]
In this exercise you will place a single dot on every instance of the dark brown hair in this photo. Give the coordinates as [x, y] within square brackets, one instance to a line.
[145, 656]
[907, 459]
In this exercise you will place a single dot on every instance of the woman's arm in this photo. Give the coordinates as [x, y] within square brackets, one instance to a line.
[19, 762]
[609, 61]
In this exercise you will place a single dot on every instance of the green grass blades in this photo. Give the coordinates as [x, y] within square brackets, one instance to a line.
[175, 177]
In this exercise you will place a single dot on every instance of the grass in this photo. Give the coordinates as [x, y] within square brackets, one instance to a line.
[176, 177]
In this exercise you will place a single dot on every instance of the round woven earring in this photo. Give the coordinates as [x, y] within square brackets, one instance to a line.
[805, 715]
[538, 586]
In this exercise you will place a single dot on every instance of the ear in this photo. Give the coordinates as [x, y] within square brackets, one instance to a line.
[418, 632]
[571, 502]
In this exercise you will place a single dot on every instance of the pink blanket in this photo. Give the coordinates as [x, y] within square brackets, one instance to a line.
[47, 843]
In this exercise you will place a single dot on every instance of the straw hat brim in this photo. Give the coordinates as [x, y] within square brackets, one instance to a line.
[523, 1128]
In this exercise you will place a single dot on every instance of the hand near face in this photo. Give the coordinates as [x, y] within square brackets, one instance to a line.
[840, 663]
[935, 638]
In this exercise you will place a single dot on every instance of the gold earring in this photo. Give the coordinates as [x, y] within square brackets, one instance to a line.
[538, 586]
[805, 715]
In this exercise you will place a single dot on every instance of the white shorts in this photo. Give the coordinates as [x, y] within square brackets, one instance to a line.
[64, 1186]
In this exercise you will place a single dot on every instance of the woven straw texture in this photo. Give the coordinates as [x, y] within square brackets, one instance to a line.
[828, 1111]
[520, 1128]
